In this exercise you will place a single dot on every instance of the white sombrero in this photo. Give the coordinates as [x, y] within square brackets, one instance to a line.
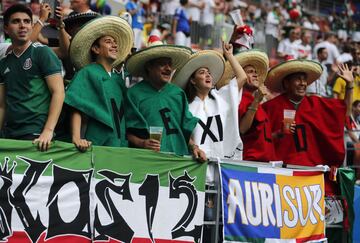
[212, 60]
[256, 58]
[115, 27]
[156, 49]
[274, 80]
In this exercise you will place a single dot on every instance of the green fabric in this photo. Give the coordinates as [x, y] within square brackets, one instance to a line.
[100, 97]
[27, 94]
[144, 107]
[347, 182]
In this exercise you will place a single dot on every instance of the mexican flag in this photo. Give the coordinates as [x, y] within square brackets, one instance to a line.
[103, 195]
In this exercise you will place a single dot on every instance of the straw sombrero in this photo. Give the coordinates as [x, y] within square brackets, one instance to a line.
[156, 49]
[274, 80]
[115, 27]
[258, 59]
[212, 60]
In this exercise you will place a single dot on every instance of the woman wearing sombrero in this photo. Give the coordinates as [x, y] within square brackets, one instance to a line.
[96, 93]
[316, 135]
[217, 132]
[254, 125]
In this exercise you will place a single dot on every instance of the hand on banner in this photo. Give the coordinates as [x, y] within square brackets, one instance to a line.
[81, 144]
[197, 153]
[44, 140]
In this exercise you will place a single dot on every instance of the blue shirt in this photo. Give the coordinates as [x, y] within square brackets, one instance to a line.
[137, 22]
[182, 21]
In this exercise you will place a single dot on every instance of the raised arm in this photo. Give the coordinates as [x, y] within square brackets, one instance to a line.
[43, 16]
[347, 75]
[238, 70]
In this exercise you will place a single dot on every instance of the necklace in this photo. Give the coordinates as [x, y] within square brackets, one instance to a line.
[295, 103]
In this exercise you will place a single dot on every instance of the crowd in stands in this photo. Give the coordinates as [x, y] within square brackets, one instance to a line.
[74, 74]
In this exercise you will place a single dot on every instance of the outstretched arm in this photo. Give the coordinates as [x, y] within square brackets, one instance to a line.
[238, 70]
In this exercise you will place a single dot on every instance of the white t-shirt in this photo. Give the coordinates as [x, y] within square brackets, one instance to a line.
[168, 7]
[272, 24]
[303, 50]
[194, 12]
[217, 132]
[288, 48]
[311, 26]
[333, 51]
[207, 15]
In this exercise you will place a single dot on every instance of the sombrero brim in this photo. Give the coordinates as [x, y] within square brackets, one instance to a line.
[256, 58]
[136, 62]
[274, 80]
[115, 27]
[210, 59]
[79, 19]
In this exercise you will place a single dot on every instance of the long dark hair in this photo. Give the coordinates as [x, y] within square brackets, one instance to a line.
[190, 89]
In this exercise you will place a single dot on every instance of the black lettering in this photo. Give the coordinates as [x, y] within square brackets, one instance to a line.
[118, 229]
[118, 115]
[300, 138]
[220, 127]
[5, 206]
[183, 185]
[166, 120]
[33, 227]
[150, 189]
[81, 223]
[207, 130]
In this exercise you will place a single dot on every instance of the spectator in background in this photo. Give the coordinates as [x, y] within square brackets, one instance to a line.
[319, 86]
[345, 56]
[163, 31]
[207, 22]
[29, 112]
[287, 48]
[134, 7]
[310, 23]
[194, 12]
[181, 25]
[329, 44]
[168, 10]
[80, 6]
[273, 25]
[304, 49]
[339, 89]
[101, 7]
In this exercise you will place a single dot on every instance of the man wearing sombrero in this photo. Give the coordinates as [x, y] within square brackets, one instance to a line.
[254, 126]
[316, 136]
[96, 93]
[154, 102]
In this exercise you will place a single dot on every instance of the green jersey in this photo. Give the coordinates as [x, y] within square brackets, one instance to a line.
[167, 108]
[27, 94]
[99, 97]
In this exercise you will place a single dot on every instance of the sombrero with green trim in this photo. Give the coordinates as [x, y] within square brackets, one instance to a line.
[274, 80]
[212, 60]
[116, 27]
[256, 58]
[179, 55]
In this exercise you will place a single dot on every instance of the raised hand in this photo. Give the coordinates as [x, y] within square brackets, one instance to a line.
[346, 73]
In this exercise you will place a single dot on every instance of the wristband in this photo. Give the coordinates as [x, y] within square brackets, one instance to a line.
[40, 22]
[349, 87]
